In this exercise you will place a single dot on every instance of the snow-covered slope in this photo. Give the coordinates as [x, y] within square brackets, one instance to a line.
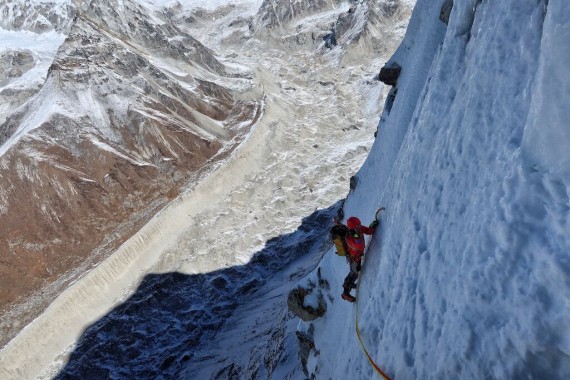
[30, 34]
[467, 277]
[38, 16]
[131, 111]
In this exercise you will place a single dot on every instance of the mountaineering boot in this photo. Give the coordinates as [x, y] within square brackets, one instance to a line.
[348, 297]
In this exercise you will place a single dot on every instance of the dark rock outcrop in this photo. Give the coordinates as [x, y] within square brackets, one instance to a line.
[389, 74]
[330, 40]
[296, 303]
[306, 345]
[446, 11]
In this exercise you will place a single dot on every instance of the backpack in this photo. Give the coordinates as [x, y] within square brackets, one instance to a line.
[338, 233]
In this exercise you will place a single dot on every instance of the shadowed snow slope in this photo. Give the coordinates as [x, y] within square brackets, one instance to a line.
[468, 276]
[183, 326]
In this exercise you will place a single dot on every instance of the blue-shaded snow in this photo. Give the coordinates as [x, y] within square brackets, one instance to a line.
[183, 326]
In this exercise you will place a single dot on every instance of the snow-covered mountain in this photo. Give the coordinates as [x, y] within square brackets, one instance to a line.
[136, 97]
[467, 276]
[30, 34]
[131, 111]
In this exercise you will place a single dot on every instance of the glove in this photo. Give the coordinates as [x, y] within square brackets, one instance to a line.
[374, 224]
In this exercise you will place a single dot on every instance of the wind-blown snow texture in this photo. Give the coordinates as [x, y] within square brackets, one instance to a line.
[468, 277]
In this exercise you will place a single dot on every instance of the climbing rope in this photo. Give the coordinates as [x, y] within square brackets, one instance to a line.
[372, 363]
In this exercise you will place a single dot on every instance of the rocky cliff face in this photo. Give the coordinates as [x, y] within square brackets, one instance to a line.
[36, 16]
[362, 27]
[132, 111]
[276, 13]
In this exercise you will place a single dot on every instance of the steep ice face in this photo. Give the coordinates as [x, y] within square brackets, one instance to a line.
[546, 125]
[468, 275]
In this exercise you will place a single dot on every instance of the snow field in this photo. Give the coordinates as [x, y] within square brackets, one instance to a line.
[42, 47]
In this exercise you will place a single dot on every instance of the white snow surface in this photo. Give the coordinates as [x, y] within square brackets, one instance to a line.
[47, 42]
[43, 48]
[468, 276]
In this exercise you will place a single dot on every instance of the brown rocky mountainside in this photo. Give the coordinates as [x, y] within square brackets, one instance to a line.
[133, 111]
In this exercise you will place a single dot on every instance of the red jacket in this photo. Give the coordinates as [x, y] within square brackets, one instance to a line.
[355, 242]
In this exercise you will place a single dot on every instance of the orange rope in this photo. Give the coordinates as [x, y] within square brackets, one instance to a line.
[374, 365]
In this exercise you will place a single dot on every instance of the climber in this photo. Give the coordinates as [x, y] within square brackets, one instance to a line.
[354, 242]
